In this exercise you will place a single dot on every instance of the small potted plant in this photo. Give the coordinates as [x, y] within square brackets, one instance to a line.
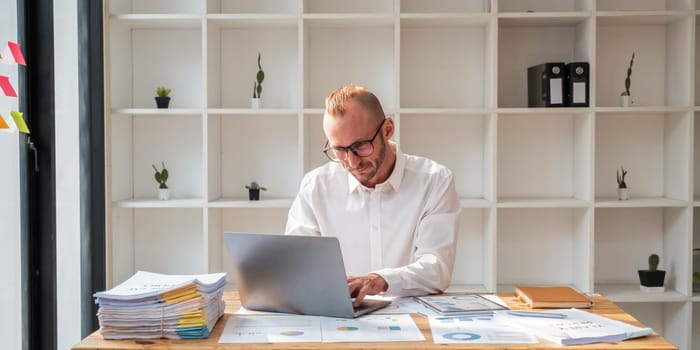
[652, 279]
[162, 97]
[625, 97]
[254, 191]
[256, 101]
[162, 177]
[623, 193]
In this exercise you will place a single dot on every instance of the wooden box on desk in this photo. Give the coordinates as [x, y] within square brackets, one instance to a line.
[601, 306]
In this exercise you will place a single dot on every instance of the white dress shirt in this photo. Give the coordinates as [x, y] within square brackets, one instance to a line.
[404, 229]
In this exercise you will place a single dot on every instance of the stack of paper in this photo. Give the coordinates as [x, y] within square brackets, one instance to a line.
[578, 327]
[150, 305]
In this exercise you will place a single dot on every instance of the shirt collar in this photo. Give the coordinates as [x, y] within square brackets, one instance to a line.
[394, 179]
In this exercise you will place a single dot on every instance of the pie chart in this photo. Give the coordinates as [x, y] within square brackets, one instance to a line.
[463, 336]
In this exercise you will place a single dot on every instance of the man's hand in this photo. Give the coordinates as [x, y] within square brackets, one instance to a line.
[361, 286]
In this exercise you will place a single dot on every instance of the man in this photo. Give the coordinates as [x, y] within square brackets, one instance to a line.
[395, 215]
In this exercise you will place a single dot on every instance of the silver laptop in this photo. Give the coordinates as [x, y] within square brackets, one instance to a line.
[293, 274]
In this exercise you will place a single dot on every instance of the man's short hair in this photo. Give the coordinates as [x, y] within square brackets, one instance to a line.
[337, 99]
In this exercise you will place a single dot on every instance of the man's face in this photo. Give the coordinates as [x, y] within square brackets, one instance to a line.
[356, 126]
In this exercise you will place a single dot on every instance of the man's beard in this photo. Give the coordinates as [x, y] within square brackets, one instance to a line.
[356, 171]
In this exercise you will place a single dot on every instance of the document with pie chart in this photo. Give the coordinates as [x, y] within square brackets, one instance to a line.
[370, 328]
[477, 329]
[271, 329]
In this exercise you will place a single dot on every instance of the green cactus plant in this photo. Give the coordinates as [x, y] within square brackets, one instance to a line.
[628, 82]
[161, 176]
[621, 178]
[653, 262]
[162, 91]
[259, 77]
[254, 186]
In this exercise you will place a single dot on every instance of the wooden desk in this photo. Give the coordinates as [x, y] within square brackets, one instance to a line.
[601, 306]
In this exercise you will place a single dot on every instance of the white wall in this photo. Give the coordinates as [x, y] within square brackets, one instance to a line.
[10, 293]
[67, 173]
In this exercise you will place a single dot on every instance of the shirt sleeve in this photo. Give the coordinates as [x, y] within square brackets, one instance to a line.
[301, 219]
[434, 249]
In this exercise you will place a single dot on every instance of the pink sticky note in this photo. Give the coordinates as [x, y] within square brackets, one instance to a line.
[16, 53]
[7, 87]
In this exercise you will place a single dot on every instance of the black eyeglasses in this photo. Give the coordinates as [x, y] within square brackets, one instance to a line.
[363, 148]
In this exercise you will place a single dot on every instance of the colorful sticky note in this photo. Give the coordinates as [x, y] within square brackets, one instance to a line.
[19, 121]
[16, 53]
[7, 87]
[3, 123]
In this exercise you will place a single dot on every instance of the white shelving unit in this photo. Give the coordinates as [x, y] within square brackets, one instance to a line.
[536, 185]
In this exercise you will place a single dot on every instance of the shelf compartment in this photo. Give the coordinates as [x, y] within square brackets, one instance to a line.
[630, 293]
[545, 157]
[157, 21]
[134, 50]
[343, 6]
[232, 64]
[230, 21]
[660, 52]
[545, 246]
[439, 20]
[445, 6]
[155, 7]
[241, 202]
[614, 18]
[543, 6]
[175, 140]
[671, 319]
[641, 202]
[245, 148]
[653, 148]
[527, 42]
[641, 5]
[338, 56]
[447, 66]
[252, 7]
[147, 239]
[148, 202]
[541, 203]
[474, 259]
[542, 19]
[624, 239]
[155, 111]
[469, 144]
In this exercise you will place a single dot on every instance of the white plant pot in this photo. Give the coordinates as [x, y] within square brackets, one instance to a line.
[623, 194]
[255, 103]
[626, 101]
[163, 194]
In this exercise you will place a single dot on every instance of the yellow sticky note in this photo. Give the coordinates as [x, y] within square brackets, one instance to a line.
[19, 121]
[3, 123]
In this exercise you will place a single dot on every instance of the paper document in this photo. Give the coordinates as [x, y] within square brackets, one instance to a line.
[370, 328]
[451, 304]
[405, 305]
[477, 329]
[579, 327]
[271, 329]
